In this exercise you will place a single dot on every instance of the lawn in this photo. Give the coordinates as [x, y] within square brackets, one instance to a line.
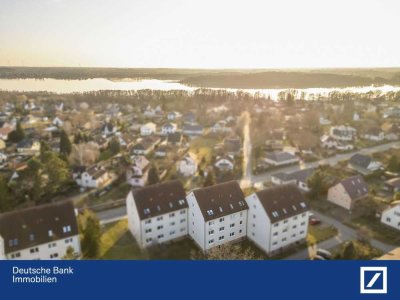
[319, 233]
[376, 230]
[118, 243]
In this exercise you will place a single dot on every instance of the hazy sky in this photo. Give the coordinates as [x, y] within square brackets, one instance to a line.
[201, 33]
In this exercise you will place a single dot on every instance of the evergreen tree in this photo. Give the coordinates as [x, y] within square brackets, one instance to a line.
[91, 237]
[210, 179]
[153, 177]
[65, 143]
[17, 135]
[5, 195]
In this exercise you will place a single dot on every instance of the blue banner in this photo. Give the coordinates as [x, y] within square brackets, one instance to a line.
[200, 279]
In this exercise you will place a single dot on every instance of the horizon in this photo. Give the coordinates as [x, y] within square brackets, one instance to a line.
[176, 34]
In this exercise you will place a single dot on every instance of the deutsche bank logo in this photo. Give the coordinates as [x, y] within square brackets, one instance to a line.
[373, 280]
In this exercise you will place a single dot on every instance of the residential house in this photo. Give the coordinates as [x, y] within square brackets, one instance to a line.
[363, 164]
[136, 175]
[28, 147]
[392, 185]
[4, 132]
[298, 178]
[328, 142]
[391, 215]
[280, 158]
[221, 127]
[217, 215]
[187, 166]
[145, 145]
[39, 233]
[148, 129]
[108, 129]
[343, 133]
[277, 218]
[157, 213]
[348, 191]
[93, 177]
[225, 163]
[232, 146]
[175, 139]
[168, 128]
[374, 134]
[193, 130]
[173, 115]
[58, 121]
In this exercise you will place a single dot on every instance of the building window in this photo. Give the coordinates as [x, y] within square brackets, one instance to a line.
[388, 219]
[159, 218]
[183, 220]
[149, 230]
[222, 228]
[149, 240]
[172, 223]
[171, 215]
[160, 227]
[221, 219]
[31, 237]
[147, 221]
[221, 238]
[284, 222]
[284, 230]
[232, 225]
[276, 224]
[301, 232]
[183, 229]
[294, 226]
[293, 235]
[50, 233]
[254, 216]
[241, 222]
[303, 223]
[295, 218]
[183, 211]
[274, 243]
[160, 236]
[211, 223]
[67, 229]
[303, 215]
[232, 234]
[172, 232]
[211, 241]
[240, 231]
[275, 233]
[55, 255]
[284, 239]
[211, 232]
[34, 250]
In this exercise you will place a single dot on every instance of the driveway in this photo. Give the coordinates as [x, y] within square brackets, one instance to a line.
[345, 233]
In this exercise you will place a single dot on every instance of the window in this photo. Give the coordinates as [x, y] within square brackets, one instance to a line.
[284, 239]
[284, 230]
[284, 222]
[147, 221]
[241, 222]
[149, 230]
[31, 237]
[275, 233]
[211, 232]
[183, 211]
[254, 216]
[172, 232]
[211, 241]
[294, 226]
[303, 215]
[240, 231]
[183, 220]
[160, 236]
[295, 218]
[293, 235]
[232, 234]
[254, 224]
[274, 243]
[301, 232]
[303, 223]
[159, 218]
[68, 240]
[211, 223]
[160, 227]
[149, 240]
[171, 215]
[221, 219]
[221, 238]
[50, 233]
[34, 250]
[183, 229]
[67, 229]
[276, 224]
[172, 223]
[52, 245]
[388, 219]
[222, 228]
[232, 225]
[55, 255]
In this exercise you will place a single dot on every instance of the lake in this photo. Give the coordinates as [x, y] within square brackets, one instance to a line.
[61, 86]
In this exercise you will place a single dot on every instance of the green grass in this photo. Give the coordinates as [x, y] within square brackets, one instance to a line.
[118, 243]
[319, 233]
[376, 230]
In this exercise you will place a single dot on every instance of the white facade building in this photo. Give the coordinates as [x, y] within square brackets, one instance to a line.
[187, 166]
[94, 177]
[168, 128]
[148, 129]
[277, 218]
[217, 215]
[158, 213]
[43, 232]
[391, 216]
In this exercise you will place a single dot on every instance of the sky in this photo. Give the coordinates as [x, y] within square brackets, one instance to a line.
[200, 33]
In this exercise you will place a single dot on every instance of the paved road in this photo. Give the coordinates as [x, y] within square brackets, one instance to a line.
[112, 215]
[246, 180]
[331, 161]
[345, 233]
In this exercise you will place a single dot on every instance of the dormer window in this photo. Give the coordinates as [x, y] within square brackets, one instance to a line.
[50, 233]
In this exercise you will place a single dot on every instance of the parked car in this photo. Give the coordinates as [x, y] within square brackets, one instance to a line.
[314, 221]
[324, 253]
